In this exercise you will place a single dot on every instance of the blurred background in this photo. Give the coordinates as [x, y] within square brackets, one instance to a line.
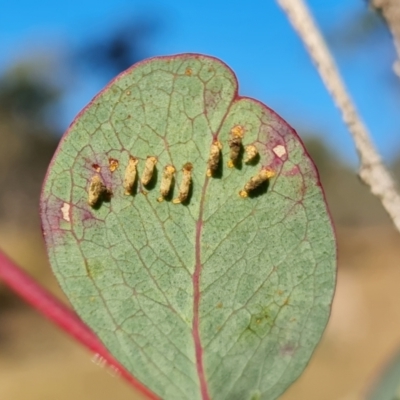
[57, 56]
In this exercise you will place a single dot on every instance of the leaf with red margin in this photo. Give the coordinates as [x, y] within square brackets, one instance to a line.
[222, 297]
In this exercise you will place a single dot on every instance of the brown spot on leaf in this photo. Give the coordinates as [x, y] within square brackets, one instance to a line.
[96, 167]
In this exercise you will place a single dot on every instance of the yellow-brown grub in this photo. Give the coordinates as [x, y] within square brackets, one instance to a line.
[213, 159]
[151, 162]
[255, 181]
[166, 181]
[113, 164]
[130, 175]
[251, 153]
[97, 190]
[184, 188]
[188, 72]
[235, 144]
[237, 131]
[235, 147]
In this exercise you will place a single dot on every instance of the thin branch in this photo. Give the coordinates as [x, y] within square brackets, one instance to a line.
[390, 10]
[372, 171]
[17, 280]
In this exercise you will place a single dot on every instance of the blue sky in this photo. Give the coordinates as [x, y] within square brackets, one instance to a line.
[252, 37]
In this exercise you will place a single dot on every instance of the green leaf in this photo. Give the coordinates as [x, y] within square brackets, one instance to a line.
[221, 297]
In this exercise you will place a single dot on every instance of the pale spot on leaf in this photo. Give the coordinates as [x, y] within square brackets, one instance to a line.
[65, 212]
[279, 150]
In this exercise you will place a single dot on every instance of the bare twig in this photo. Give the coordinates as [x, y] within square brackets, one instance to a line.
[372, 171]
[17, 280]
[390, 10]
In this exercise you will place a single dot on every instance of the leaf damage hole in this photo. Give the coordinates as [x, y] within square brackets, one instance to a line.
[65, 212]
[279, 150]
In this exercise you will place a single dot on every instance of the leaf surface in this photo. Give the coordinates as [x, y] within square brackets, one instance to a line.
[221, 297]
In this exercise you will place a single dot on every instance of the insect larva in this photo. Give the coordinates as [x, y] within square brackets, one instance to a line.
[255, 181]
[235, 145]
[113, 164]
[251, 153]
[185, 184]
[97, 190]
[213, 159]
[166, 181]
[151, 162]
[130, 175]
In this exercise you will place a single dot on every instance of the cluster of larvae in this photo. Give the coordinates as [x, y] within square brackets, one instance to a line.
[235, 149]
[98, 190]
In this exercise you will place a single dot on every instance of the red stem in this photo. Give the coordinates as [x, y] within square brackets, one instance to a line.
[38, 297]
